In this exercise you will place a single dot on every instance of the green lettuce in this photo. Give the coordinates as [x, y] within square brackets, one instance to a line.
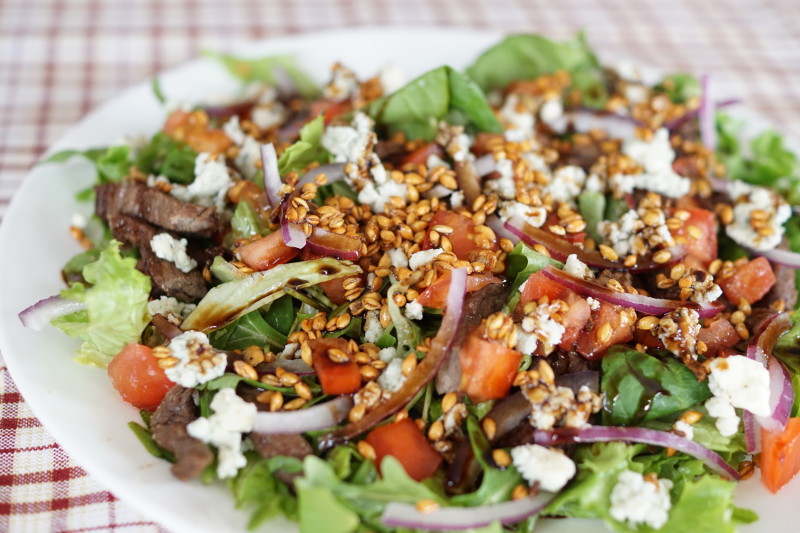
[168, 157]
[522, 262]
[442, 93]
[112, 164]
[116, 297]
[268, 70]
[679, 87]
[306, 150]
[245, 223]
[524, 57]
[639, 387]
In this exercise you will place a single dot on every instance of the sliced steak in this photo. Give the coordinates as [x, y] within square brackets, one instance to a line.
[167, 278]
[286, 444]
[156, 207]
[477, 306]
[168, 425]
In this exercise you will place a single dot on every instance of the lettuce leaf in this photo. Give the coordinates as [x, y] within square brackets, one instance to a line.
[306, 150]
[522, 262]
[268, 70]
[112, 164]
[116, 300]
[524, 57]
[639, 387]
[165, 156]
[441, 93]
[679, 87]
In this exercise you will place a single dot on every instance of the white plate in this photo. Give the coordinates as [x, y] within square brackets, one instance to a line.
[76, 403]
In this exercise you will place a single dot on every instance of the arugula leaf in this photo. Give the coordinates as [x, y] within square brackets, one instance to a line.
[679, 87]
[155, 85]
[145, 436]
[167, 157]
[639, 387]
[255, 486]
[522, 262]
[417, 108]
[251, 329]
[524, 57]
[268, 70]
[337, 188]
[116, 301]
[409, 334]
[306, 150]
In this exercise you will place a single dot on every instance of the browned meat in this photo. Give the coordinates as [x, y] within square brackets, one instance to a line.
[287, 444]
[625, 278]
[509, 414]
[584, 155]
[784, 288]
[167, 278]
[477, 306]
[156, 207]
[168, 425]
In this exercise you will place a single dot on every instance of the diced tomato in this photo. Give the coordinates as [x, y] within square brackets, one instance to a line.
[267, 252]
[573, 319]
[436, 293]
[647, 339]
[463, 236]
[193, 129]
[135, 373]
[704, 248]
[750, 281]
[719, 334]
[420, 155]
[588, 344]
[780, 455]
[404, 441]
[335, 378]
[487, 367]
[333, 289]
[330, 110]
[537, 286]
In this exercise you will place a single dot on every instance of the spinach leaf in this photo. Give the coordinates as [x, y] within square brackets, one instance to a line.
[269, 70]
[639, 387]
[168, 157]
[524, 57]
[679, 87]
[256, 487]
[417, 108]
[281, 314]
[250, 329]
[306, 150]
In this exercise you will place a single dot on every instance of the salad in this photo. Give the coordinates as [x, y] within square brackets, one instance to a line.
[538, 287]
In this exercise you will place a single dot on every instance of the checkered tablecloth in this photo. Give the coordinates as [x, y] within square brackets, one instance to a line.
[61, 58]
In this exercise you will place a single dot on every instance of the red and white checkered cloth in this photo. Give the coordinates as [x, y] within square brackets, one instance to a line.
[61, 58]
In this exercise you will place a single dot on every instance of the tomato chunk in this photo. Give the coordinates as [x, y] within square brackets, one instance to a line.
[610, 327]
[750, 281]
[463, 236]
[537, 286]
[135, 373]
[573, 319]
[420, 155]
[436, 293]
[404, 441]
[266, 252]
[193, 129]
[780, 455]
[700, 233]
[488, 368]
[335, 378]
[719, 334]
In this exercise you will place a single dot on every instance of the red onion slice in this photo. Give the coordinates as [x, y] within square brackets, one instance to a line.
[297, 366]
[328, 244]
[333, 172]
[494, 222]
[708, 128]
[720, 185]
[644, 304]
[321, 416]
[293, 234]
[752, 433]
[272, 178]
[786, 258]
[781, 397]
[425, 371]
[453, 518]
[42, 312]
[634, 434]
[484, 165]
[561, 249]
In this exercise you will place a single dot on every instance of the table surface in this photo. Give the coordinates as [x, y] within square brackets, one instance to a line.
[60, 59]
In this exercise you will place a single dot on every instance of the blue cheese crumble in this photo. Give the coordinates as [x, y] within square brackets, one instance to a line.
[196, 361]
[736, 382]
[168, 248]
[636, 500]
[537, 464]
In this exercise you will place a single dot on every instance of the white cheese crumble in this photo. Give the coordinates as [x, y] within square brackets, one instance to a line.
[518, 120]
[656, 157]
[77, 220]
[211, 182]
[348, 143]
[168, 248]
[423, 257]
[748, 199]
[343, 85]
[541, 324]
[167, 305]
[566, 183]
[684, 429]
[504, 186]
[736, 382]
[434, 161]
[398, 257]
[458, 148]
[289, 350]
[187, 349]
[392, 378]
[268, 115]
[378, 195]
[392, 78]
[526, 342]
[594, 304]
[372, 327]
[635, 93]
[621, 234]
[535, 216]
[576, 267]
[387, 354]
[456, 199]
[223, 429]
[636, 501]
[537, 464]
[414, 310]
